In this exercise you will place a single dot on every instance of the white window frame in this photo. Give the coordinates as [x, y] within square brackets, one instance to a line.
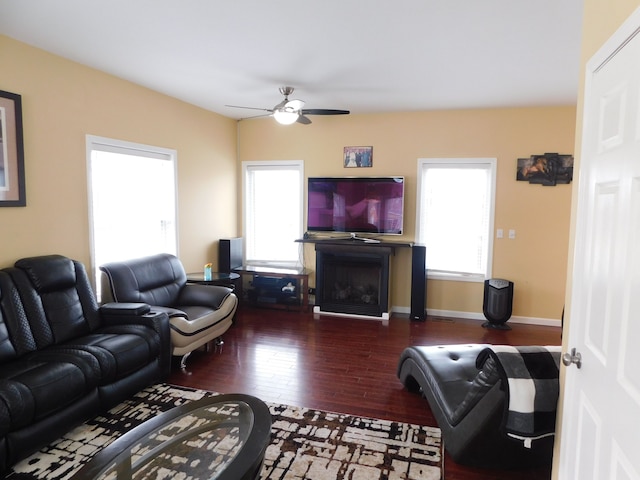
[487, 163]
[252, 165]
[96, 143]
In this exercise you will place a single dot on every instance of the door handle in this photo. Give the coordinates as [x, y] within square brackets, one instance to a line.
[572, 358]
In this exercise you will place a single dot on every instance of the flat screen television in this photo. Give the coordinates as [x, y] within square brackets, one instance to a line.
[372, 205]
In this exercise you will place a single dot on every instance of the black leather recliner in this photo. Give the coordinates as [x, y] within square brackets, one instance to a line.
[198, 314]
[63, 359]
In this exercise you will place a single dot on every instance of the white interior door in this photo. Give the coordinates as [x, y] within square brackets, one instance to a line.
[601, 412]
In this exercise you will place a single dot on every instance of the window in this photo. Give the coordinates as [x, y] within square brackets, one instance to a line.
[273, 201]
[132, 201]
[455, 216]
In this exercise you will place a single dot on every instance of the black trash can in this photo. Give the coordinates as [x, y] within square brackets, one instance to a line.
[498, 303]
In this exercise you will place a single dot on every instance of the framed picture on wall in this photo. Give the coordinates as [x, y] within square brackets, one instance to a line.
[549, 169]
[355, 157]
[12, 190]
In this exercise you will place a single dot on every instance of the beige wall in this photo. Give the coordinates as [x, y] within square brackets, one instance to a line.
[62, 103]
[536, 260]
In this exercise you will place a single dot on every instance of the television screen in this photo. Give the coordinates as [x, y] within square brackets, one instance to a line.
[355, 204]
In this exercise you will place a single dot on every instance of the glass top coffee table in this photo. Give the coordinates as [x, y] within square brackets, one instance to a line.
[222, 437]
[217, 278]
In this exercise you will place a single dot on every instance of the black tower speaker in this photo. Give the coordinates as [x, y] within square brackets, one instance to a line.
[418, 283]
[497, 303]
[229, 254]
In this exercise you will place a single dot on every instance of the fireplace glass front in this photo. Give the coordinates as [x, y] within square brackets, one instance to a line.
[353, 281]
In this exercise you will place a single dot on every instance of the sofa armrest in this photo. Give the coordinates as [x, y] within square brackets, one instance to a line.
[211, 296]
[136, 314]
[125, 314]
[122, 308]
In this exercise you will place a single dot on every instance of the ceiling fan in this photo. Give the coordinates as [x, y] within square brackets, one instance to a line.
[291, 111]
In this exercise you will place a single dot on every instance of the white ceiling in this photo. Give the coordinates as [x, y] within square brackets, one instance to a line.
[360, 55]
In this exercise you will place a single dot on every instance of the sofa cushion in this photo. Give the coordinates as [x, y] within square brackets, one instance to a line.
[5, 413]
[7, 351]
[56, 309]
[156, 279]
[203, 295]
[16, 337]
[49, 273]
[119, 350]
[40, 386]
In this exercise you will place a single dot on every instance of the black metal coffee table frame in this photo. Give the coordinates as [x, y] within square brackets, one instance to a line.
[245, 465]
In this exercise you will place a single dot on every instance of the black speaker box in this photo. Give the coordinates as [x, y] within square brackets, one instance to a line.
[229, 254]
[418, 283]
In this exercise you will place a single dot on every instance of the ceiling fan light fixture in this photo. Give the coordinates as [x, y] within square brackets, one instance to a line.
[284, 117]
[288, 111]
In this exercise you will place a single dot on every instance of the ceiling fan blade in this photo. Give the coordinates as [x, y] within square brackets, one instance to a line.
[257, 116]
[280, 106]
[303, 120]
[324, 111]
[251, 108]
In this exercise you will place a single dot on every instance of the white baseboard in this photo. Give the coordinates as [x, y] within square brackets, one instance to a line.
[549, 322]
[384, 317]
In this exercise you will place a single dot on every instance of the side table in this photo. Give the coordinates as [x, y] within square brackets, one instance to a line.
[217, 278]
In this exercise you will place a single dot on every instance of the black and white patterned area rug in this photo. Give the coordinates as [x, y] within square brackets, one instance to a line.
[305, 443]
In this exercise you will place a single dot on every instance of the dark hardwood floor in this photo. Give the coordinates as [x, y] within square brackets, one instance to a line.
[343, 365]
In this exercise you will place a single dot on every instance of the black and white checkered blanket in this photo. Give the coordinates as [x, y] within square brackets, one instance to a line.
[530, 377]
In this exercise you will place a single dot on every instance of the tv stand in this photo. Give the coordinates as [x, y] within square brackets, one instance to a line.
[363, 239]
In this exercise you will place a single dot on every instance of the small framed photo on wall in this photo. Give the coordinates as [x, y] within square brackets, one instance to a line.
[355, 157]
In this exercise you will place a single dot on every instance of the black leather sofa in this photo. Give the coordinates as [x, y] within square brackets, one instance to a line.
[467, 394]
[63, 359]
[198, 314]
